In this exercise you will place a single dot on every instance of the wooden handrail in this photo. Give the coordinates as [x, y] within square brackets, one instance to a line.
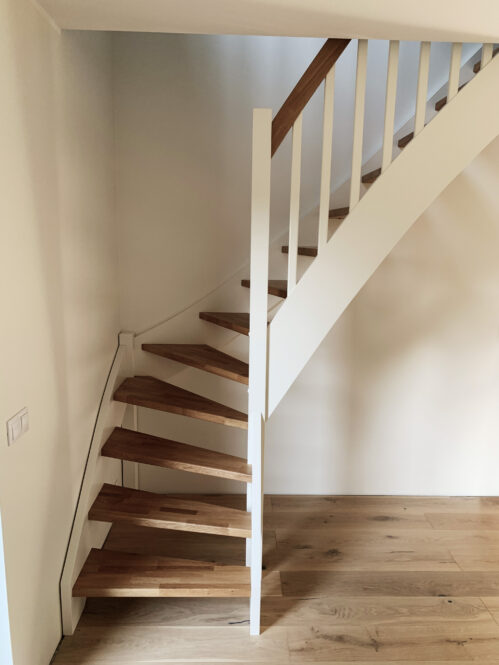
[302, 92]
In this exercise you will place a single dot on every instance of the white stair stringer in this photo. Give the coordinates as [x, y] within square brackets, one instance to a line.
[396, 200]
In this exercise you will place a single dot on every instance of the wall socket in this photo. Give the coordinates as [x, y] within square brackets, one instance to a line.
[17, 426]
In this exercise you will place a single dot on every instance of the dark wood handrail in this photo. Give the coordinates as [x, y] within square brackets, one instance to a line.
[302, 92]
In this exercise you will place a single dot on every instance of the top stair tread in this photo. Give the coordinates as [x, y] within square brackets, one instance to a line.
[107, 573]
[134, 446]
[478, 65]
[276, 287]
[152, 393]
[115, 503]
[203, 357]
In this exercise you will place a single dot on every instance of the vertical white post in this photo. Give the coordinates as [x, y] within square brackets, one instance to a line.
[391, 97]
[454, 70]
[5, 644]
[358, 122]
[487, 52]
[258, 343]
[294, 205]
[327, 146]
[424, 70]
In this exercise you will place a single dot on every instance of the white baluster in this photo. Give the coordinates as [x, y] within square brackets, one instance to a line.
[257, 402]
[424, 70]
[487, 52]
[455, 70]
[294, 204]
[391, 97]
[327, 146]
[358, 122]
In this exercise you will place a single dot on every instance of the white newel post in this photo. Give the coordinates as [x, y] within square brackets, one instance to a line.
[258, 345]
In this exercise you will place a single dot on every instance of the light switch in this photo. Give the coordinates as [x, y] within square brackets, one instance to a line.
[17, 426]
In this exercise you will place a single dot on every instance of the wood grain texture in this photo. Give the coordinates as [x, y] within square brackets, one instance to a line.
[301, 94]
[118, 574]
[237, 321]
[277, 287]
[133, 446]
[398, 590]
[155, 394]
[203, 357]
[162, 511]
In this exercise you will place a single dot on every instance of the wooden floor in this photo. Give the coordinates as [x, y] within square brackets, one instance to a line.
[347, 580]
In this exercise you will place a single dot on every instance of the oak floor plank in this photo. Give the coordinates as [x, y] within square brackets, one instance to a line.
[327, 583]
[302, 520]
[464, 521]
[131, 643]
[392, 505]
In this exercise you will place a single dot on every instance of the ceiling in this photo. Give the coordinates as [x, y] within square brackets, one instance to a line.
[435, 20]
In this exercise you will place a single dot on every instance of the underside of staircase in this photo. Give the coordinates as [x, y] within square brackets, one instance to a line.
[130, 574]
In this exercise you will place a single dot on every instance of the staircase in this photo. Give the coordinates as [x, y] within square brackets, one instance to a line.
[369, 226]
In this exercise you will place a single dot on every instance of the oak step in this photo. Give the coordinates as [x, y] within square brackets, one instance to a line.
[277, 287]
[237, 321]
[369, 178]
[478, 65]
[155, 394]
[405, 140]
[121, 504]
[108, 574]
[302, 251]
[339, 213]
[442, 102]
[133, 446]
[203, 357]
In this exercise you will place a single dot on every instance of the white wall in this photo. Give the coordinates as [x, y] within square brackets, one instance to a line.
[426, 350]
[58, 294]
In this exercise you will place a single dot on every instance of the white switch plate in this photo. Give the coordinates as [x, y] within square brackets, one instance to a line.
[17, 426]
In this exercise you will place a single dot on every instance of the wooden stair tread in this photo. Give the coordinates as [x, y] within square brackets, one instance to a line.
[155, 394]
[121, 574]
[302, 251]
[162, 511]
[133, 446]
[442, 102]
[339, 213]
[370, 177]
[277, 287]
[203, 357]
[237, 321]
[478, 65]
[405, 140]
